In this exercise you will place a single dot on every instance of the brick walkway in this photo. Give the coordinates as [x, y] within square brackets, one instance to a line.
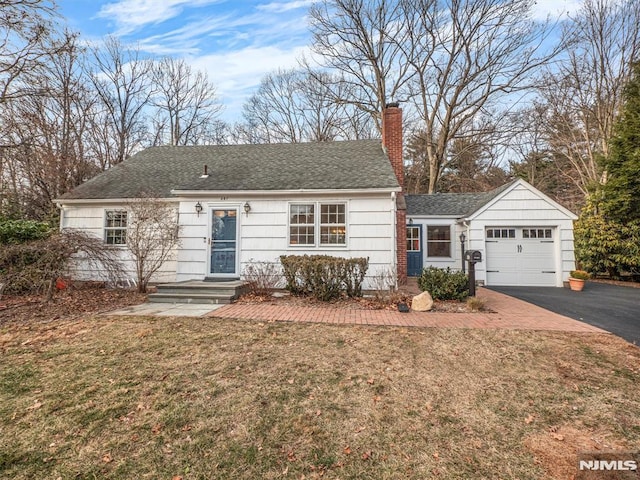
[511, 313]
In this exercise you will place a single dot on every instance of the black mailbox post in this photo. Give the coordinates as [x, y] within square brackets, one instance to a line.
[472, 257]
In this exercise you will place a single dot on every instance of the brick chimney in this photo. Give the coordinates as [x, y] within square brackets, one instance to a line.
[392, 142]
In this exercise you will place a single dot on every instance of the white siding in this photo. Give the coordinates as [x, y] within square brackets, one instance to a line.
[453, 261]
[90, 219]
[263, 234]
[524, 207]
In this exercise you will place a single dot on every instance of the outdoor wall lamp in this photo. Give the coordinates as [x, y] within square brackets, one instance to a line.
[198, 208]
[247, 208]
[411, 221]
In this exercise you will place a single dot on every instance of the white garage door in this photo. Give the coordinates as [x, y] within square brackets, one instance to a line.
[521, 256]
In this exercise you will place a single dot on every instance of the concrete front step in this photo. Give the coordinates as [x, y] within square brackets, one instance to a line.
[194, 291]
[205, 298]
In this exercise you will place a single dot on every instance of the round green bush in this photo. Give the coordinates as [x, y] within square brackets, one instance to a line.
[444, 284]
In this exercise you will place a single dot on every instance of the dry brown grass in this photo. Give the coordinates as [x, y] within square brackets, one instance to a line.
[204, 398]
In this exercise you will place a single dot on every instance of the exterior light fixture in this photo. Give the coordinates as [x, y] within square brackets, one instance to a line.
[411, 221]
[247, 208]
[198, 208]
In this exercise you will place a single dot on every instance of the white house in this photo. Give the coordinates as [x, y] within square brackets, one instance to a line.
[524, 237]
[238, 204]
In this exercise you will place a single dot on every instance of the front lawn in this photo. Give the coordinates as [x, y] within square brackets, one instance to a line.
[202, 398]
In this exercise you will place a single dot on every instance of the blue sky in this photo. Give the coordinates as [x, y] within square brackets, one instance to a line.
[235, 41]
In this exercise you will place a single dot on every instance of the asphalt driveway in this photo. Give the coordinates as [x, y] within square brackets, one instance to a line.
[610, 307]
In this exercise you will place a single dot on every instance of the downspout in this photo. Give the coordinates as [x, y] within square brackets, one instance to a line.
[467, 226]
[468, 238]
[394, 245]
[61, 208]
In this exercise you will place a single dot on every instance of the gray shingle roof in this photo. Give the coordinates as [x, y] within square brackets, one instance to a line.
[354, 164]
[456, 205]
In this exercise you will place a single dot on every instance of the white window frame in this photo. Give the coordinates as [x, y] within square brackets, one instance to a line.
[108, 228]
[318, 224]
[427, 240]
[412, 238]
[332, 224]
[291, 225]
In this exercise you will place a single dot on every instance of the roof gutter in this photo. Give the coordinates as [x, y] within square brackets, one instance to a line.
[305, 191]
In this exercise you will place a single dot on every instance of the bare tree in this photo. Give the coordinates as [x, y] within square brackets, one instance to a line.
[455, 61]
[25, 26]
[472, 59]
[186, 103]
[152, 236]
[47, 132]
[122, 80]
[362, 41]
[582, 96]
[296, 106]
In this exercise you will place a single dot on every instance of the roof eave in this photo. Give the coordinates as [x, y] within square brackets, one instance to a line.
[298, 191]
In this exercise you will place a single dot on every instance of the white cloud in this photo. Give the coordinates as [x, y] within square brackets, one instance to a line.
[280, 7]
[130, 15]
[555, 8]
[237, 74]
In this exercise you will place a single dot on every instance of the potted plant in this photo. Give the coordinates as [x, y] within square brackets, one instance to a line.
[577, 279]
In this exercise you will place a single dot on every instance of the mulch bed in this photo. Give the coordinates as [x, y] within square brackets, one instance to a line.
[363, 303]
[66, 304]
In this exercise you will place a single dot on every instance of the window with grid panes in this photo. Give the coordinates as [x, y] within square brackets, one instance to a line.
[413, 239]
[302, 224]
[438, 241]
[115, 227]
[333, 227]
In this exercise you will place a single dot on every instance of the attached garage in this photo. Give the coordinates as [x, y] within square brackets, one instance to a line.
[525, 237]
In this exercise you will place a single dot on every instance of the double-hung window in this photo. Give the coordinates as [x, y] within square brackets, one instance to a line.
[115, 227]
[302, 224]
[438, 241]
[333, 228]
[306, 227]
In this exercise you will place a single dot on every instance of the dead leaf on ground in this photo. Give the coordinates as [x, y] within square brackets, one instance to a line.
[157, 428]
[36, 405]
[529, 419]
[106, 458]
[347, 450]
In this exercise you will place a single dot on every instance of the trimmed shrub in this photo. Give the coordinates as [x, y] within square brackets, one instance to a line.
[444, 284]
[21, 231]
[324, 277]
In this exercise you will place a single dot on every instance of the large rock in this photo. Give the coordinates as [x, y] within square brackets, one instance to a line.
[422, 302]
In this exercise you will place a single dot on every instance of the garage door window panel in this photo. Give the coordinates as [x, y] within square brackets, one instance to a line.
[537, 233]
[439, 241]
[501, 233]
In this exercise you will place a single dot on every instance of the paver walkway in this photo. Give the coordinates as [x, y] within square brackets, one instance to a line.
[510, 313]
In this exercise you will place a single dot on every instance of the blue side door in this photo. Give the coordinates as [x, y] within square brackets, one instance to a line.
[414, 250]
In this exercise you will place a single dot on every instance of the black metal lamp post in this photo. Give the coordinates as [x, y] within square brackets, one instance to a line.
[463, 237]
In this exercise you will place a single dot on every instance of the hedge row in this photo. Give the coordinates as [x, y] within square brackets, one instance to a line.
[324, 277]
[21, 231]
